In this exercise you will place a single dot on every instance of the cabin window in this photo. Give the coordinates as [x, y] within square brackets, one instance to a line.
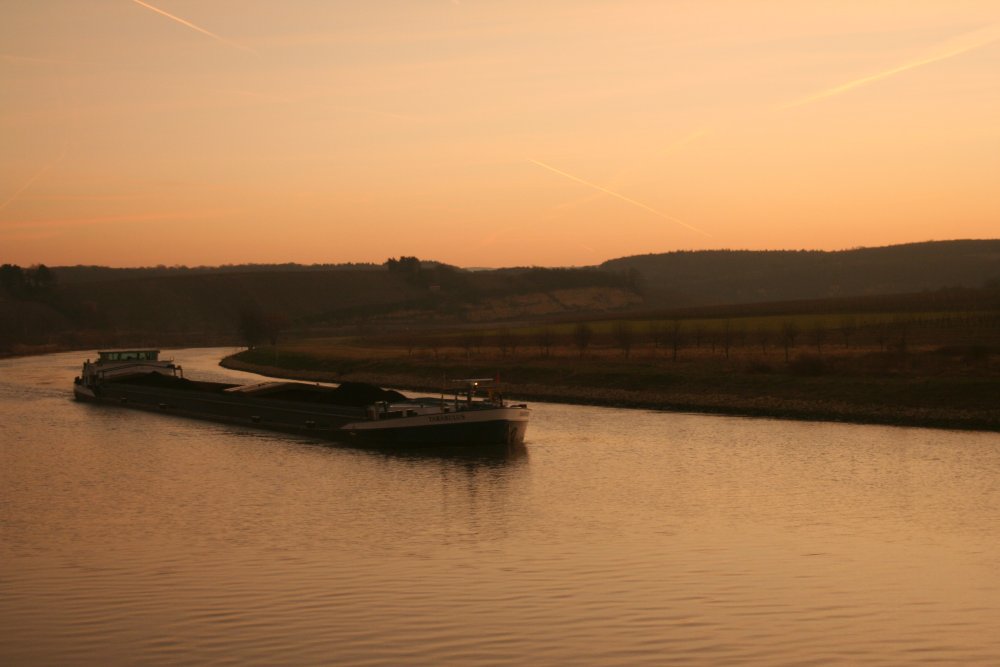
[131, 355]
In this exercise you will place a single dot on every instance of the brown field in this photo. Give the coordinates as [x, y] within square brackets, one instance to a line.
[930, 369]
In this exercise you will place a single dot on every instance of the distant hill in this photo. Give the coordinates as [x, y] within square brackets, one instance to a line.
[90, 274]
[90, 306]
[213, 301]
[712, 277]
[100, 306]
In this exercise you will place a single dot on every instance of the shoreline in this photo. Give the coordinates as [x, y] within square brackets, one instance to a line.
[761, 406]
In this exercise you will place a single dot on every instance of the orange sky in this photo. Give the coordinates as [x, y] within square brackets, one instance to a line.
[491, 132]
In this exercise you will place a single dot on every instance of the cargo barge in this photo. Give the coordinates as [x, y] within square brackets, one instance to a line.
[472, 414]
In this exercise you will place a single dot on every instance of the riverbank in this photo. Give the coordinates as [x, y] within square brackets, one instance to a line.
[807, 391]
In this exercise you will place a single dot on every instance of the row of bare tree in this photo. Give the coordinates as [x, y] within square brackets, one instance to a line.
[675, 336]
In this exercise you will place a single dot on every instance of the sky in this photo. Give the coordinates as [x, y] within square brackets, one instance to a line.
[491, 132]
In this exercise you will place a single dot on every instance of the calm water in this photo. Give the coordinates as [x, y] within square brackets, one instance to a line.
[622, 537]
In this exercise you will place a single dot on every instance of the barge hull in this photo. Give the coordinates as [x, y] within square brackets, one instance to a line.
[334, 423]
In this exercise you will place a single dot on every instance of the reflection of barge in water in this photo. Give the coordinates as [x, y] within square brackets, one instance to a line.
[354, 413]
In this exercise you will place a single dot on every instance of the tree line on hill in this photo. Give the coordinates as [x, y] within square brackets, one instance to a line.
[32, 281]
[92, 274]
[85, 306]
[707, 277]
[39, 306]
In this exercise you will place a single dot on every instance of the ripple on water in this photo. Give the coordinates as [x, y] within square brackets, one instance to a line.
[623, 537]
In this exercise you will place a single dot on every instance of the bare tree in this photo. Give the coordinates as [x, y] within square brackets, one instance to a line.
[657, 334]
[741, 335]
[699, 335]
[727, 337]
[624, 337]
[504, 340]
[675, 335]
[789, 332]
[274, 324]
[410, 340]
[848, 327]
[13, 279]
[582, 335]
[39, 277]
[818, 335]
[881, 334]
[764, 338]
[545, 340]
[252, 325]
[468, 342]
[901, 334]
[472, 340]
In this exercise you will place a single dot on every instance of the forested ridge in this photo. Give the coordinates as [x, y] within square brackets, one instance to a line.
[184, 307]
[709, 277]
[82, 306]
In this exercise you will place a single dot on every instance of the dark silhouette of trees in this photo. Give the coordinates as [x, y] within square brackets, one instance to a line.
[764, 338]
[741, 334]
[546, 279]
[410, 268]
[274, 324]
[699, 335]
[635, 281]
[881, 335]
[252, 326]
[848, 327]
[657, 334]
[582, 335]
[429, 274]
[33, 282]
[256, 326]
[746, 276]
[675, 336]
[727, 337]
[471, 340]
[504, 340]
[545, 340]
[40, 278]
[624, 337]
[410, 340]
[818, 335]
[514, 341]
[901, 335]
[789, 333]
[405, 265]
[12, 279]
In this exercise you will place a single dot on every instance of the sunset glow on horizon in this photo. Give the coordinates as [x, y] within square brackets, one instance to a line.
[492, 132]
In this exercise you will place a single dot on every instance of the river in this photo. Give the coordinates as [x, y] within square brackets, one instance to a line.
[621, 537]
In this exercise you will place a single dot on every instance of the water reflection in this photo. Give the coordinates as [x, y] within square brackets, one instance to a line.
[487, 455]
[620, 537]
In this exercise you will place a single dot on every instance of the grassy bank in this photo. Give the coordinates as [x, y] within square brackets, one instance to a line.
[937, 388]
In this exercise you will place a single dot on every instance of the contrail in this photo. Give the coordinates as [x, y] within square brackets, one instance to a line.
[989, 35]
[670, 148]
[193, 26]
[685, 140]
[31, 181]
[628, 200]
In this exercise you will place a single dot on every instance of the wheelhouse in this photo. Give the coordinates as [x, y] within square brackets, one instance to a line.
[129, 355]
